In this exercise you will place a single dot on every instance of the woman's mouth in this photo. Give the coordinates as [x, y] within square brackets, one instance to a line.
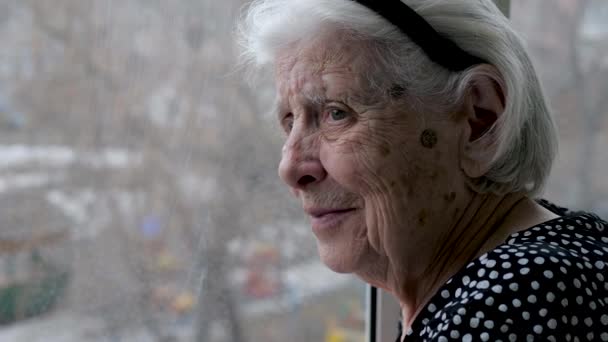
[325, 220]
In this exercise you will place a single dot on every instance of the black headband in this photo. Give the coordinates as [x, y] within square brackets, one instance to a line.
[437, 47]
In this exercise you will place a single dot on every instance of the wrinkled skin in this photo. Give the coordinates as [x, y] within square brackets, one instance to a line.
[371, 160]
[391, 178]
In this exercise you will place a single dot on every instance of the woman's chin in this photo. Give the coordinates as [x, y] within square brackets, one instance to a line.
[340, 259]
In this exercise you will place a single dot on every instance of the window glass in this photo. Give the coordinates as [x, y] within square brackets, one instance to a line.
[138, 192]
[568, 40]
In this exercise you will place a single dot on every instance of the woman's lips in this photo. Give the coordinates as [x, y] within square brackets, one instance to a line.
[324, 220]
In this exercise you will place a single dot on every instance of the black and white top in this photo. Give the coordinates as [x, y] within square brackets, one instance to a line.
[547, 283]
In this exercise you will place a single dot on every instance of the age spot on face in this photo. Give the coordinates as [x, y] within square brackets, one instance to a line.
[396, 91]
[422, 218]
[449, 197]
[428, 138]
[384, 149]
[394, 188]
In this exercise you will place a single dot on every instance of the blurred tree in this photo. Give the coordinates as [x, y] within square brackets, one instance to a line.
[589, 62]
[155, 78]
[574, 72]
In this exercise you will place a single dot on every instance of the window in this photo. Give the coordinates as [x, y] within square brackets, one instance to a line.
[138, 191]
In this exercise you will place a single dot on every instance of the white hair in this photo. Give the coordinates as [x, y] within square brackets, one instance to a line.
[526, 135]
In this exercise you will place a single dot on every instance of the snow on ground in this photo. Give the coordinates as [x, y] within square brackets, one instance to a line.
[304, 282]
[60, 327]
[24, 180]
[62, 156]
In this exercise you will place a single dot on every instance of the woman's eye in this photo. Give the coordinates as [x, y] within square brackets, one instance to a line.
[337, 114]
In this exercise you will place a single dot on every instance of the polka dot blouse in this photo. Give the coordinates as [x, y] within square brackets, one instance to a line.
[547, 283]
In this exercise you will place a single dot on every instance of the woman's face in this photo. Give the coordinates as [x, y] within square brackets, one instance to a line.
[378, 182]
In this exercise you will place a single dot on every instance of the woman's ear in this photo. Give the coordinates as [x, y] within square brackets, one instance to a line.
[484, 104]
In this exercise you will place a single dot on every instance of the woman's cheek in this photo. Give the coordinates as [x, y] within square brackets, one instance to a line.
[386, 217]
[351, 166]
[371, 176]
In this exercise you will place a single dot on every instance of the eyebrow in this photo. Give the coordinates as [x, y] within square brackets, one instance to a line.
[316, 99]
[312, 99]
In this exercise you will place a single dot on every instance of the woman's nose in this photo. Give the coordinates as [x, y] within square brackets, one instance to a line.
[300, 166]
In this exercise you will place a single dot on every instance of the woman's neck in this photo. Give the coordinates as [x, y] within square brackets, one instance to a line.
[486, 223]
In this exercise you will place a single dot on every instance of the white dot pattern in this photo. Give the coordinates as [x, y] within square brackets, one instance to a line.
[547, 283]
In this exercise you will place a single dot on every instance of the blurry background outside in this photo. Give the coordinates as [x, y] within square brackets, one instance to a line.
[139, 199]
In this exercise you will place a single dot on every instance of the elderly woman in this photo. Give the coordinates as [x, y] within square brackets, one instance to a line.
[417, 136]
